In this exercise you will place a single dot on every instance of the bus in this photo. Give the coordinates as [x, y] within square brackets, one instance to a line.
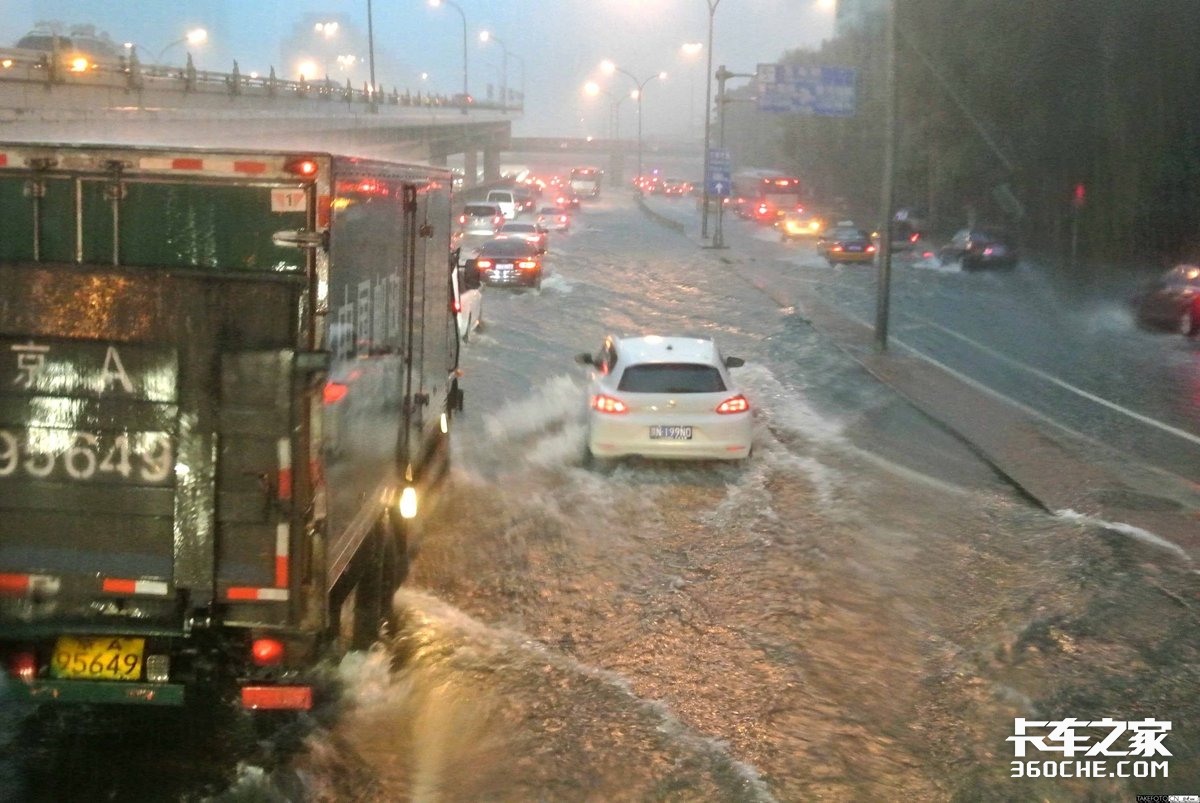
[585, 181]
[765, 195]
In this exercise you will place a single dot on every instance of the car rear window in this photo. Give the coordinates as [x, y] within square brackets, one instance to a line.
[671, 378]
[479, 210]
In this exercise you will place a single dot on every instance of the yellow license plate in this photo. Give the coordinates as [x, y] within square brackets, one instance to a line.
[97, 658]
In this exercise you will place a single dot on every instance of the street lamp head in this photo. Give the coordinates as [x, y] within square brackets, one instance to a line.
[591, 88]
[662, 76]
[635, 94]
[197, 36]
[608, 67]
[434, 3]
[692, 48]
[484, 36]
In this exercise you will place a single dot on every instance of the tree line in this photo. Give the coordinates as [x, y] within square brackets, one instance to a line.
[1075, 123]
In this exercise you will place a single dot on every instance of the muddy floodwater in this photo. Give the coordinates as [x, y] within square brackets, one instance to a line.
[860, 611]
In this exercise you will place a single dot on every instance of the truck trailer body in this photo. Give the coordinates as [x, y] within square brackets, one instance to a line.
[226, 385]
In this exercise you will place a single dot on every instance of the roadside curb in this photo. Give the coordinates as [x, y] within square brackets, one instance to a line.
[660, 218]
[1067, 474]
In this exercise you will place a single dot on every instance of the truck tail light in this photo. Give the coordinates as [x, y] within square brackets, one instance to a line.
[608, 404]
[335, 392]
[306, 168]
[23, 666]
[734, 404]
[267, 652]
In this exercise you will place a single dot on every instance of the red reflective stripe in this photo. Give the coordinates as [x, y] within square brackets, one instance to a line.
[249, 167]
[3, 159]
[115, 586]
[242, 593]
[187, 164]
[323, 209]
[277, 697]
[14, 583]
[285, 483]
[281, 556]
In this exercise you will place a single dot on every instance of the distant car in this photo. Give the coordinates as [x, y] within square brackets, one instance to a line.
[905, 236]
[525, 197]
[1173, 301]
[530, 232]
[567, 198]
[801, 223]
[676, 187]
[846, 244]
[666, 397]
[979, 248]
[554, 218]
[509, 262]
[479, 218]
[506, 200]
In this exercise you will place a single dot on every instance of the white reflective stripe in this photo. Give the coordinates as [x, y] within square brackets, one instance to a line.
[274, 594]
[281, 540]
[284, 449]
[44, 583]
[157, 587]
[155, 163]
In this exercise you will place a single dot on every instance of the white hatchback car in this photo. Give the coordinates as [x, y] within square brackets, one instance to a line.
[666, 397]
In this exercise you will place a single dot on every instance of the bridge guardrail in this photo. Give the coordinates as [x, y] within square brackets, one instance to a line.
[55, 68]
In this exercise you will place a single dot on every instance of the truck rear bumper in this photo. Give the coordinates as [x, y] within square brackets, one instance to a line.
[88, 691]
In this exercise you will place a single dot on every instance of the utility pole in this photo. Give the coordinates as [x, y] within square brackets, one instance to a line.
[723, 75]
[883, 295]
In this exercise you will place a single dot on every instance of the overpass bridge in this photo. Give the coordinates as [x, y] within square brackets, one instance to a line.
[43, 98]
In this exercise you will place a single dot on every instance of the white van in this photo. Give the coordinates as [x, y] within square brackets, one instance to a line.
[505, 200]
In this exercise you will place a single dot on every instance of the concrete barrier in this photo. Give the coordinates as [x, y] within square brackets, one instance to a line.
[660, 218]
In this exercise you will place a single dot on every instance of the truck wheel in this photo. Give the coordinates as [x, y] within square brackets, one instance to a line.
[385, 562]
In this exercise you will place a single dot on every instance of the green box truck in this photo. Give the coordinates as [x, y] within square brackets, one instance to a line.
[227, 382]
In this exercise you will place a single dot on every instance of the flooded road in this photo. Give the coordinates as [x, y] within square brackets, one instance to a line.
[860, 611]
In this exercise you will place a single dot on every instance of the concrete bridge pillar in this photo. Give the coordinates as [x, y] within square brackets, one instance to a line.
[470, 167]
[491, 164]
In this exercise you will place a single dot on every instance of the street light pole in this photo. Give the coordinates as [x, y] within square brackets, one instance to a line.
[609, 67]
[466, 37]
[712, 12]
[371, 56]
[488, 36]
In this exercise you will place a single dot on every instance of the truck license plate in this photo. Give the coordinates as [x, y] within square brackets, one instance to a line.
[97, 658]
[670, 433]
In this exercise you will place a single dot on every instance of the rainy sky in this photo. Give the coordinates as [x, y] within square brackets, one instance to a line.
[554, 47]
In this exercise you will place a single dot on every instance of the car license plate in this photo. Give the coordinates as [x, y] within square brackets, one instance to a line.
[670, 433]
[854, 248]
[97, 658]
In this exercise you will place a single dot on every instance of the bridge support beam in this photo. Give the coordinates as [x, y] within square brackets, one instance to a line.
[491, 164]
[437, 159]
[470, 167]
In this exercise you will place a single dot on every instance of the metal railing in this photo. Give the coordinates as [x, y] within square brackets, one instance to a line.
[66, 69]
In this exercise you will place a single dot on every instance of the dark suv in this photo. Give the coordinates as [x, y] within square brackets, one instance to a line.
[979, 248]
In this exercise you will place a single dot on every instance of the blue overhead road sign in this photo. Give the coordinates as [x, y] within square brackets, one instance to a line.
[801, 89]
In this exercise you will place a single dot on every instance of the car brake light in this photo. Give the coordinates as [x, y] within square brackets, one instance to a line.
[836, 248]
[735, 404]
[462, 218]
[527, 264]
[456, 306]
[483, 264]
[266, 652]
[914, 237]
[987, 252]
[607, 404]
[870, 249]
